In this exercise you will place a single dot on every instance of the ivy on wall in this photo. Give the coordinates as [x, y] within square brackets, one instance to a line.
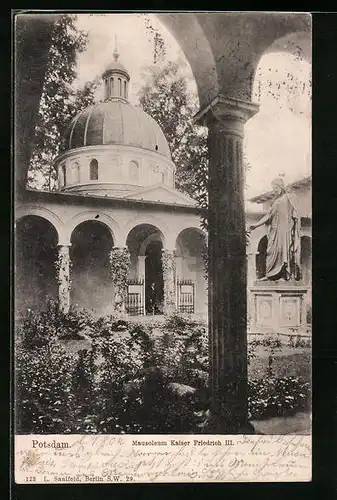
[169, 271]
[63, 268]
[119, 270]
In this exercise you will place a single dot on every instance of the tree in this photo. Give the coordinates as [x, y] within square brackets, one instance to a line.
[59, 101]
[166, 97]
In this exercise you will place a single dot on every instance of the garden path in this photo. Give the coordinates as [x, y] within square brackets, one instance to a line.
[300, 423]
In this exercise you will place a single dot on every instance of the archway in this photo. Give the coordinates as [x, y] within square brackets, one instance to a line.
[305, 261]
[282, 88]
[145, 243]
[191, 273]
[154, 283]
[261, 257]
[35, 257]
[91, 243]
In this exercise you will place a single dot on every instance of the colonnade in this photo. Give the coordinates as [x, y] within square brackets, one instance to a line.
[169, 278]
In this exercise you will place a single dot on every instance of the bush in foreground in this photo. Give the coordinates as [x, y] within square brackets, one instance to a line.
[145, 378]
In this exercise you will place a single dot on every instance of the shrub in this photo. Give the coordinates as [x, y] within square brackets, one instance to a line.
[38, 328]
[267, 342]
[122, 364]
[271, 397]
[179, 323]
[44, 392]
[86, 392]
[148, 378]
[299, 341]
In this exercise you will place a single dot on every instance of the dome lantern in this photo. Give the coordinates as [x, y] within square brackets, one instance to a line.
[116, 79]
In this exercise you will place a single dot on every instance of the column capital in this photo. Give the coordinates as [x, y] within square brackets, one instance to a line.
[168, 250]
[120, 247]
[61, 244]
[224, 109]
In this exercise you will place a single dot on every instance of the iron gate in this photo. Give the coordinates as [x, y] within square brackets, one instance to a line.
[186, 296]
[135, 302]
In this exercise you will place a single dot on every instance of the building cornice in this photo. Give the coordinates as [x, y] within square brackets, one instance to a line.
[268, 195]
[89, 199]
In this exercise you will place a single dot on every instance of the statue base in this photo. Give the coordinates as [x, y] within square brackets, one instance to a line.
[278, 307]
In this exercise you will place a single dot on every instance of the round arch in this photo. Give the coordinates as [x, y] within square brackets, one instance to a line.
[261, 256]
[255, 238]
[35, 258]
[297, 42]
[44, 213]
[196, 48]
[148, 220]
[186, 231]
[153, 237]
[305, 258]
[97, 216]
[193, 228]
[231, 71]
[91, 244]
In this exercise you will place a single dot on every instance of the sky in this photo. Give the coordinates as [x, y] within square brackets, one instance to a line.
[277, 139]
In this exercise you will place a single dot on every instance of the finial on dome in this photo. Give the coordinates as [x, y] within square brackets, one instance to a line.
[116, 78]
[116, 54]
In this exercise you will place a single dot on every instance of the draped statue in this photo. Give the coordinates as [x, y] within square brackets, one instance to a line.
[283, 233]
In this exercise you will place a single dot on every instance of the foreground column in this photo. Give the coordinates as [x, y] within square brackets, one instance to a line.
[119, 269]
[225, 119]
[63, 271]
[169, 277]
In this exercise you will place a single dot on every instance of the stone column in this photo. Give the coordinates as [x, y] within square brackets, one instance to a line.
[169, 277]
[141, 267]
[119, 269]
[225, 118]
[64, 281]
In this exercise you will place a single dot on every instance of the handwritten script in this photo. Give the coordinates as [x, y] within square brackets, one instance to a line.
[164, 458]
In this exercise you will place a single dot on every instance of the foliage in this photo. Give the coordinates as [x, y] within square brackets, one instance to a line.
[268, 342]
[166, 97]
[299, 341]
[119, 270]
[169, 268]
[59, 101]
[119, 265]
[272, 396]
[38, 328]
[146, 378]
[159, 49]
[44, 392]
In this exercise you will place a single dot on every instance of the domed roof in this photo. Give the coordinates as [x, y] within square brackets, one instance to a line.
[116, 66]
[115, 121]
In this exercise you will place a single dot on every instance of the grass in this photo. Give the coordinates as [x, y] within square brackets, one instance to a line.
[290, 363]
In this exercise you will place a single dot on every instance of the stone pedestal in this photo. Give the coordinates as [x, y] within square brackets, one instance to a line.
[278, 307]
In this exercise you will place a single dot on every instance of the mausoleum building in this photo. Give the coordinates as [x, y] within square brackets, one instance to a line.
[116, 233]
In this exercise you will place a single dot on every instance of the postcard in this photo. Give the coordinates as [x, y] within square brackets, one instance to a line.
[163, 233]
